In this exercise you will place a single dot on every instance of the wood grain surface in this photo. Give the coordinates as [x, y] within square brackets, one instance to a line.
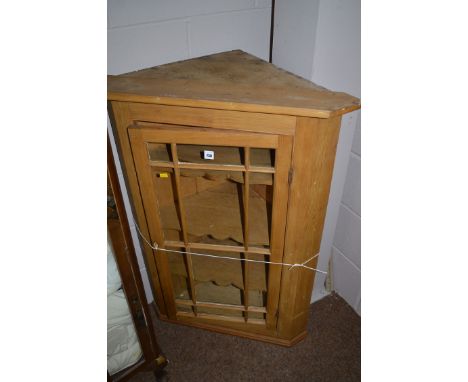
[232, 80]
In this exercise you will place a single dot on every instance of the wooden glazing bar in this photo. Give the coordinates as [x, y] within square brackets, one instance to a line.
[245, 291]
[154, 163]
[218, 247]
[207, 166]
[257, 309]
[256, 321]
[191, 279]
[263, 169]
[226, 167]
[246, 196]
[183, 223]
[223, 167]
[278, 225]
[246, 264]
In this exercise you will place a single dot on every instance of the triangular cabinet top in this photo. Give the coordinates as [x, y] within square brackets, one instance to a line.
[232, 80]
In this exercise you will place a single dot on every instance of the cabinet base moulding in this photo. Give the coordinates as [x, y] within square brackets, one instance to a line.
[187, 321]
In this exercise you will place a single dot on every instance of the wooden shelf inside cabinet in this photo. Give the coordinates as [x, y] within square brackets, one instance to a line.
[230, 157]
[225, 223]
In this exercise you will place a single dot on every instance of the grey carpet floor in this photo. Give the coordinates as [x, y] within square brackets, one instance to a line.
[330, 352]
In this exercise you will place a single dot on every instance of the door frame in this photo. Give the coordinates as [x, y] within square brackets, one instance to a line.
[141, 133]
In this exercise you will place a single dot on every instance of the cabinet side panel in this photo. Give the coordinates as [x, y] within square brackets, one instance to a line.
[121, 119]
[313, 158]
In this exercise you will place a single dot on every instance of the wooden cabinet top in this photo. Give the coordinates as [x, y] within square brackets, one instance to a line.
[232, 80]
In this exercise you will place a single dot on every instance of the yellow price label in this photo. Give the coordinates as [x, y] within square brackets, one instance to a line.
[163, 175]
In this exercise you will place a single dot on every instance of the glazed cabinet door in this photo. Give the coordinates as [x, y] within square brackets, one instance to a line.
[219, 193]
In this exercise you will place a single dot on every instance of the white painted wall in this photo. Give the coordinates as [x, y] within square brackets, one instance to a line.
[144, 33]
[320, 40]
[337, 63]
[346, 246]
[294, 35]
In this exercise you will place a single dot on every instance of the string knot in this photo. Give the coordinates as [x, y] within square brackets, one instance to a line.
[303, 264]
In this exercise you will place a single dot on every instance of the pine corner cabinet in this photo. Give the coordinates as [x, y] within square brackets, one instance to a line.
[230, 156]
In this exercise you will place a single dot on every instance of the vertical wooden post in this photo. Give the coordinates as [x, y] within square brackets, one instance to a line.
[183, 225]
[313, 158]
[246, 266]
[278, 225]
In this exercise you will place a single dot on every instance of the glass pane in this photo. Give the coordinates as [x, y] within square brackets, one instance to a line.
[257, 284]
[213, 204]
[166, 195]
[219, 281]
[262, 157]
[220, 312]
[211, 292]
[179, 274]
[261, 178]
[260, 207]
[257, 315]
[210, 154]
[184, 308]
[159, 152]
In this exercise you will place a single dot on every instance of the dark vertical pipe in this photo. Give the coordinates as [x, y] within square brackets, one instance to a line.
[272, 27]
